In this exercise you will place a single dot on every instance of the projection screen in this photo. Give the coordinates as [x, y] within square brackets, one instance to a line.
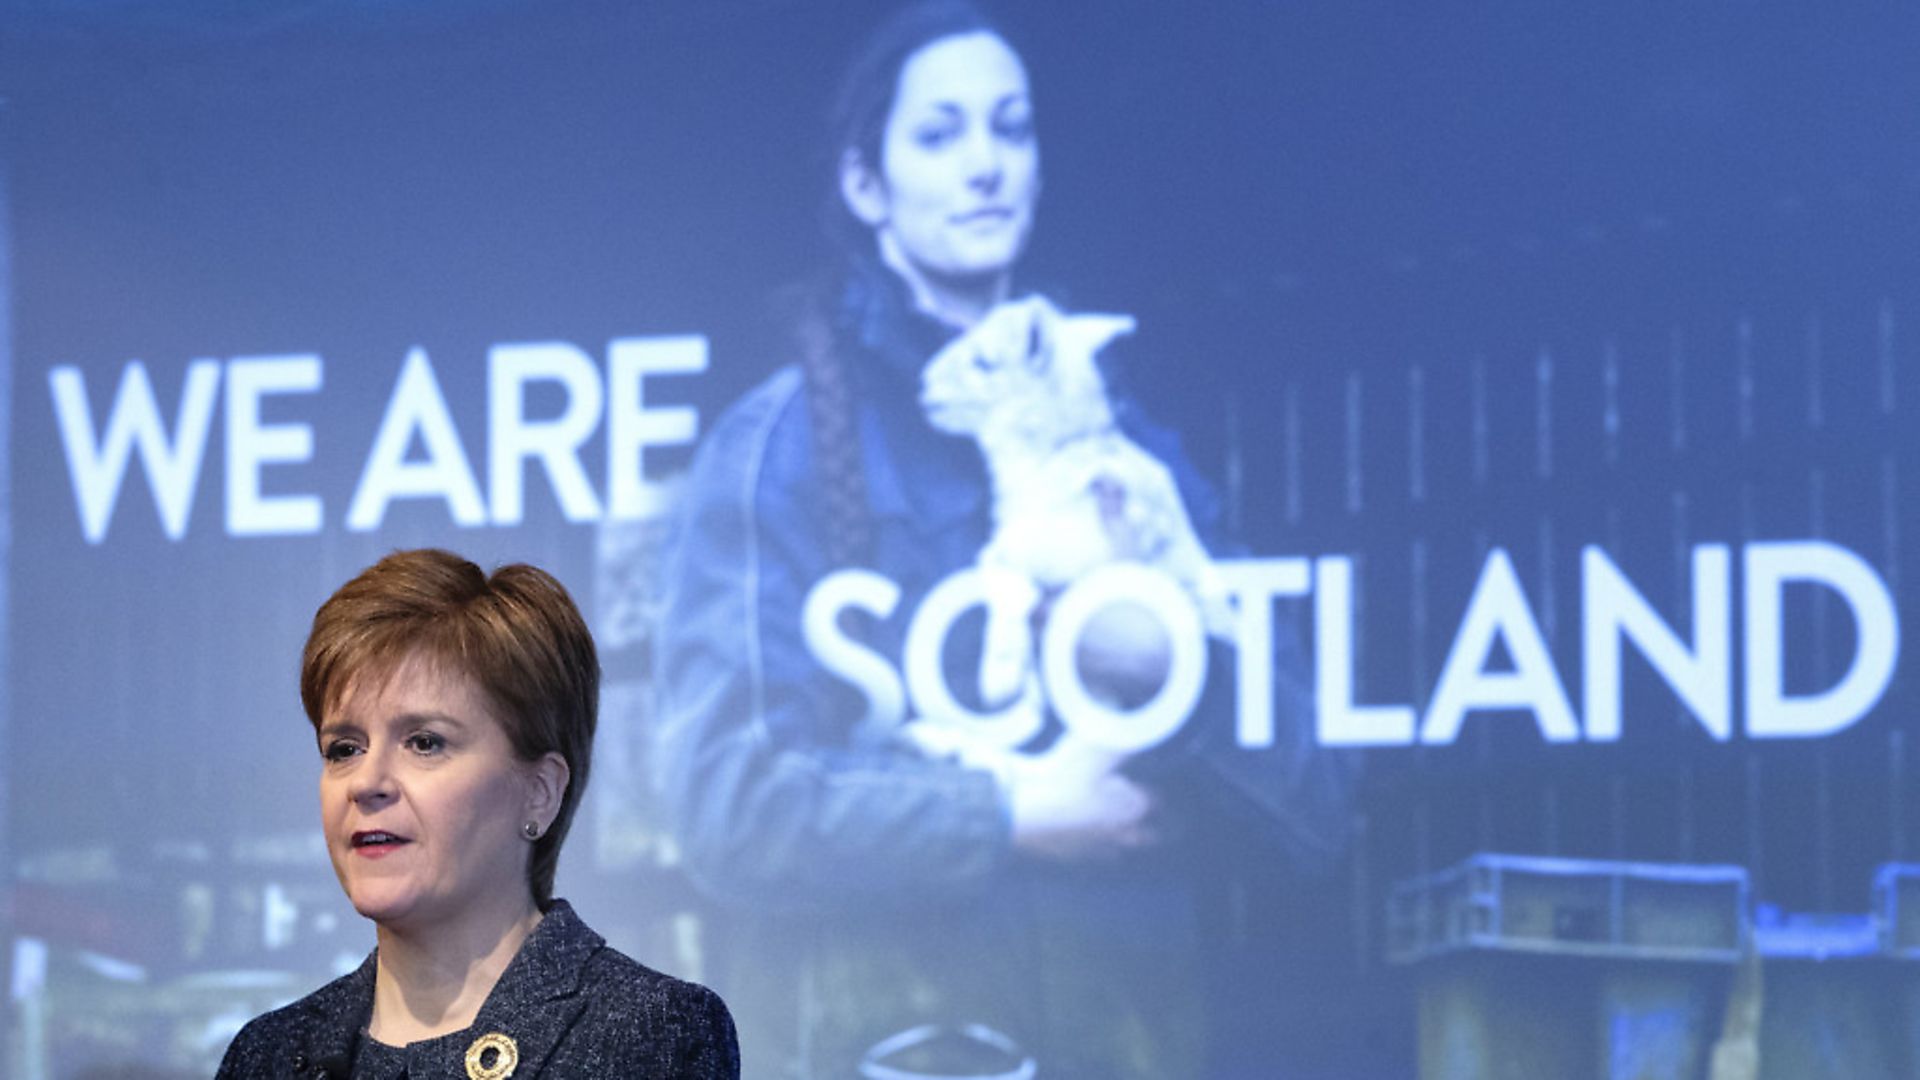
[1502, 447]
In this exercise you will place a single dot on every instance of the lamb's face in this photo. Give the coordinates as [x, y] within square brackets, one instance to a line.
[1024, 358]
[1003, 359]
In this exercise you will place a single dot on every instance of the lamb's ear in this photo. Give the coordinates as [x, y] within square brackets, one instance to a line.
[1092, 333]
[1039, 323]
[1036, 348]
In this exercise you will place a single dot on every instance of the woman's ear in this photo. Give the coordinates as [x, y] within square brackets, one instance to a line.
[862, 189]
[547, 779]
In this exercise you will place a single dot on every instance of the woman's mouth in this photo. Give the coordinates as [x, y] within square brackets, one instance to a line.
[987, 215]
[374, 843]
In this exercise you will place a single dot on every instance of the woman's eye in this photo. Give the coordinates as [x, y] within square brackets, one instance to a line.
[1014, 122]
[425, 742]
[339, 750]
[934, 136]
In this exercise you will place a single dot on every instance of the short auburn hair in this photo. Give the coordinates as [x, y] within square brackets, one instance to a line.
[516, 634]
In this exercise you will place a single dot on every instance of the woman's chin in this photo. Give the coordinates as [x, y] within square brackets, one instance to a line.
[383, 906]
[982, 262]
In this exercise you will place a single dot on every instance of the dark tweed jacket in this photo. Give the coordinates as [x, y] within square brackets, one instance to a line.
[573, 1006]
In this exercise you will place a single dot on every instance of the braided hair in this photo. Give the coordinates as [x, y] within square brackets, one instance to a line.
[836, 445]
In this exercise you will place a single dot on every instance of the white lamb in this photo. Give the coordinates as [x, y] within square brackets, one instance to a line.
[1070, 491]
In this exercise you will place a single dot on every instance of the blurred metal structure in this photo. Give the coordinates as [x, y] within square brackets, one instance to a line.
[1531, 967]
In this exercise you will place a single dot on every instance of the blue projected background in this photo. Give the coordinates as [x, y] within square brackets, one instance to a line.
[1514, 326]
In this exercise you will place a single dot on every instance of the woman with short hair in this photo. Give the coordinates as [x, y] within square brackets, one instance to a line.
[454, 712]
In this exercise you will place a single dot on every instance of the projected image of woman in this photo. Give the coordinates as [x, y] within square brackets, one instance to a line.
[454, 712]
[1023, 908]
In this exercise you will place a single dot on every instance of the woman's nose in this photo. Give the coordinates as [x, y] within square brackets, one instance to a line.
[373, 781]
[984, 163]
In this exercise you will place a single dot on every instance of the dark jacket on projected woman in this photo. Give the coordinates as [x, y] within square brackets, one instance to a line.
[782, 796]
[572, 1007]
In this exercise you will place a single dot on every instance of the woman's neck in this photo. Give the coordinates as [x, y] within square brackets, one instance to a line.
[960, 302]
[432, 980]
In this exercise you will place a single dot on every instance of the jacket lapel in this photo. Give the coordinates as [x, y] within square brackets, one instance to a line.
[538, 997]
[336, 1013]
